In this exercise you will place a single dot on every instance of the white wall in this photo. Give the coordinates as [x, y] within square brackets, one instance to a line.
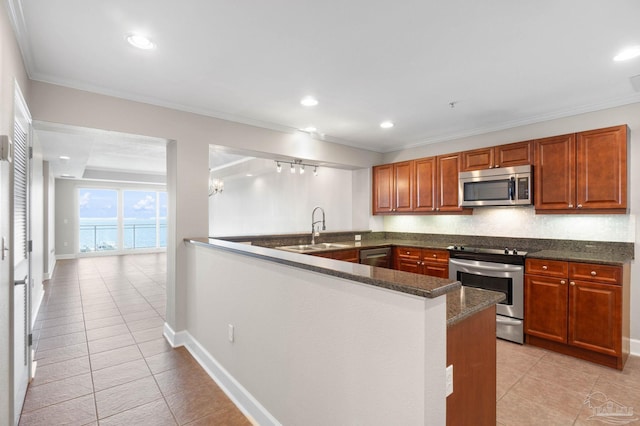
[523, 223]
[315, 349]
[49, 188]
[37, 214]
[189, 137]
[66, 210]
[277, 203]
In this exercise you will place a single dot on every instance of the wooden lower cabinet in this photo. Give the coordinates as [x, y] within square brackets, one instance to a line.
[578, 309]
[350, 255]
[473, 401]
[431, 262]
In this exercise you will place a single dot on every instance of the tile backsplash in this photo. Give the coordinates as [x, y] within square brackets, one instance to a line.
[520, 222]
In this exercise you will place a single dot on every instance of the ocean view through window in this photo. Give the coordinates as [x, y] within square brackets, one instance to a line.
[118, 219]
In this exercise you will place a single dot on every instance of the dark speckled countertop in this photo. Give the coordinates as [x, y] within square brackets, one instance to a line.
[573, 256]
[405, 282]
[467, 301]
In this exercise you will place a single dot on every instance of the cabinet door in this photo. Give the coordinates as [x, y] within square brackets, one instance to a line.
[435, 269]
[403, 181]
[554, 173]
[601, 169]
[545, 308]
[425, 187]
[408, 265]
[477, 159]
[513, 154]
[448, 169]
[407, 259]
[595, 317]
[383, 189]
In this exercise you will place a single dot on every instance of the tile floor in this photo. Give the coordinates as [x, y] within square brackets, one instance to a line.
[102, 360]
[538, 387]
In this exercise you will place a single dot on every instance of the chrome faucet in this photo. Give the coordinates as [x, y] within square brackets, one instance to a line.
[313, 224]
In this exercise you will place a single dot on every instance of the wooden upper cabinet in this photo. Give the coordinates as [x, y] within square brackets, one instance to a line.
[477, 159]
[448, 167]
[425, 187]
[383, 189]
[554, 172]
[403, 177]
[581, 172]
[514, 154]
[393, 188]
[509, 155]
[601, 168]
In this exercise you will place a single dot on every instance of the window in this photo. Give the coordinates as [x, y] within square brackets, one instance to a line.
[115, 219]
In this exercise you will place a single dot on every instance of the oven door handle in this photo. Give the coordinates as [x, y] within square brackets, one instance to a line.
[500, 268]
[507, 321]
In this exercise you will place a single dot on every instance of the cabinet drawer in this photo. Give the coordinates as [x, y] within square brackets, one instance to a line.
[408, 252]
[440, 256]
[594, 272]
[548, 268]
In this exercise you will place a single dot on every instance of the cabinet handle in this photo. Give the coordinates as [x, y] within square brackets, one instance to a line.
[593, 273]
[544, 267]
[570, 206]
[563, 282]
[572, 283]
[579, 206]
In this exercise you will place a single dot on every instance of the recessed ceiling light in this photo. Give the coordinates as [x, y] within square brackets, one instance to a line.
[141, 42]
[386, 124]
[309, 101]
[309, 129]
[628, 53]
[64, 157]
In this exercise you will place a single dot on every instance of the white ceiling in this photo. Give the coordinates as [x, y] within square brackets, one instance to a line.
[502, 62]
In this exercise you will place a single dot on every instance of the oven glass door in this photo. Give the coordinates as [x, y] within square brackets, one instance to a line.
[503, 285]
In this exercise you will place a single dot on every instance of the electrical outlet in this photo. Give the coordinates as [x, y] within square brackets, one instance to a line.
[230, 333]
[449, 380]
[358, 237]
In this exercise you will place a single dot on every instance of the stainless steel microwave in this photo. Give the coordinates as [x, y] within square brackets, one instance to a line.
[508, 186]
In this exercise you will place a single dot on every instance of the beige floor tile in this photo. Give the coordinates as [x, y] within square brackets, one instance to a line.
[196, 402]
[177, 380]
[154, 347]
[148, 334]
[61, 354]
[78, 411]
[517, 411]
[155, 413]
[104, 332]
[120, 374]
[103, 322]
[57, 392]
[549, 371]
[145, 324]
[109, 343]
[114, 357]
[176, 358]
[117, 399]
[61, 330]
[61, 370]
[61, 341]
[554, 396]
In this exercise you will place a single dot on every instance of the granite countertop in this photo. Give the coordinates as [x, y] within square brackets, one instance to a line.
[405, 282]
[566, 255]
[467, 301]
[602, 257]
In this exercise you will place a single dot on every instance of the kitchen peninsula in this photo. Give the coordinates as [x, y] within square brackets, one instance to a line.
[305, 339]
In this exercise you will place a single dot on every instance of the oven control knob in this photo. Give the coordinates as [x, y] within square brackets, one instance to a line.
[515, 251]
[506, 250]
[461, 248]
[455, 247]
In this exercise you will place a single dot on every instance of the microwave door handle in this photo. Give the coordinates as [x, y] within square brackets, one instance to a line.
[512, 188]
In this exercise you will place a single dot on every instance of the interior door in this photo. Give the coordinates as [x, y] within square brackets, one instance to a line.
[21, 257]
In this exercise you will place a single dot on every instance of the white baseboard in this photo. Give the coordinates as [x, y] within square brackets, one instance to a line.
[65, 256]
[635, 347]
[52, 268]
[250, 407]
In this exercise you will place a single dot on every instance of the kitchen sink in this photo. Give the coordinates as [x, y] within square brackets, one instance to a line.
[312, 247]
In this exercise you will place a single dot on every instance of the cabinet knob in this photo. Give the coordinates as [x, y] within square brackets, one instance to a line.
[572, 283]
[570, 206]
[418, 262]
[437, 256]
[497, 166]
[437, 209]
[593, 273]
[544, 267]
[563, 282]
[579, 206]
[408, 252]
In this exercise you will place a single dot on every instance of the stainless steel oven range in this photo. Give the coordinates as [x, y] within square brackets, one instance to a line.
[497, 270]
